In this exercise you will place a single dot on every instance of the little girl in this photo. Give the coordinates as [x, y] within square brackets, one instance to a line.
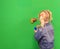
[44, 34]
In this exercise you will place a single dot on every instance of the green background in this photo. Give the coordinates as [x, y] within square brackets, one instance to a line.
[16, 31]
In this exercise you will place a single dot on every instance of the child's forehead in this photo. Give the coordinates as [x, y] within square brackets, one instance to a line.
[42, 13]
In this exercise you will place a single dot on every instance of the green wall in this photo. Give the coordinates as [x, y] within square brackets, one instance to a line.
[16, 31]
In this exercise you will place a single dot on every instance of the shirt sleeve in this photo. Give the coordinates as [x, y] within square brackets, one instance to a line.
[38, 34]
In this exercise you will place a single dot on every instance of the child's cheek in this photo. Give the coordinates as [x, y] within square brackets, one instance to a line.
[42, 14]
[41, 17]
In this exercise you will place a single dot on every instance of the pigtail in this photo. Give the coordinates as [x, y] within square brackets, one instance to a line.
[33, 20]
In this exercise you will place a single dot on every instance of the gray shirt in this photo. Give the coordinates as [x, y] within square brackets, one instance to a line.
[47, 33]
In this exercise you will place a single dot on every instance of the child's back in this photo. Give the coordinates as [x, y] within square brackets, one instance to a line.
[45, 36]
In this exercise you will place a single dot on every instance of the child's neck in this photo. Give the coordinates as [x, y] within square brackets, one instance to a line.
[46, 22]
[43, 24]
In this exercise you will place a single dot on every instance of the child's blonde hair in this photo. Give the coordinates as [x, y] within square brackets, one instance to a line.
[50, 15]
[47, 11]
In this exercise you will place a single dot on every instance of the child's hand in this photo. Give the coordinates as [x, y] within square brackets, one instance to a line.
[35, 29]
[42, 23]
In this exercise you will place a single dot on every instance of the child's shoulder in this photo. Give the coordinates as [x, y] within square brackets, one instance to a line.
[50, 26]
[38, 26]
